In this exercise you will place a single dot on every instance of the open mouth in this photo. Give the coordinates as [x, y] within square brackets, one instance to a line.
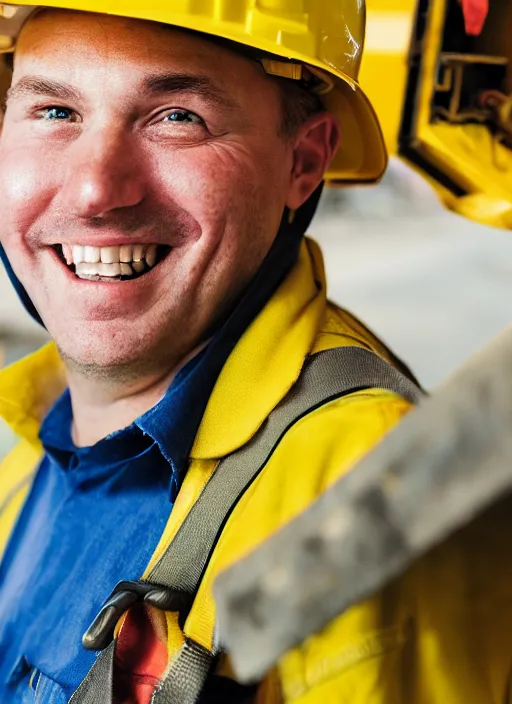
[115, 263]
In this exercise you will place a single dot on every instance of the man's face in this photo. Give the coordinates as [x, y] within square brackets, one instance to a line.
[160, 148]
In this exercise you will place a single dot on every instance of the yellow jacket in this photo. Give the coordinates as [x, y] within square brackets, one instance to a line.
[384, 651]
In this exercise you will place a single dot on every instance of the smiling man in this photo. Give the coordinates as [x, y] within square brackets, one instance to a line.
[157, 174]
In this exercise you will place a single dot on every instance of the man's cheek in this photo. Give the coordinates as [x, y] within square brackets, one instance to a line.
[22, 202]
[24, 191]
[203, 183]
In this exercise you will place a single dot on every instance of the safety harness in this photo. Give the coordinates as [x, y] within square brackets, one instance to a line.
[174, 581]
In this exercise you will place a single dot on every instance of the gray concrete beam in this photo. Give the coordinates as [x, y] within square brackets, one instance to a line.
[447, 461]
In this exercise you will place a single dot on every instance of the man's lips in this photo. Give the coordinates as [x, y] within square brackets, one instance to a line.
[112, 262]
[103, 298]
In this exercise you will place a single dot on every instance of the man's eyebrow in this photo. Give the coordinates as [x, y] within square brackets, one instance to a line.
[202, 86]
[38, 85]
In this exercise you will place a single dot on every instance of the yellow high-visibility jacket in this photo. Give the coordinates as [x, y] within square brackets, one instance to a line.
[433, 636]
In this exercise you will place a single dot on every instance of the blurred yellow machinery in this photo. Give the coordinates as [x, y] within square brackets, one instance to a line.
[439, 75]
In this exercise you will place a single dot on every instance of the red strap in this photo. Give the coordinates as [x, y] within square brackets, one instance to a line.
[141, 657]
[475, 13]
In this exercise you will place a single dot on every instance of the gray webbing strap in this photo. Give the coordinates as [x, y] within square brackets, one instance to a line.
[326, 376]
[98, 684]
[185, 677]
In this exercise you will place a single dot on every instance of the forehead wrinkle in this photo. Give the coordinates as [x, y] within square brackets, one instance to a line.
[200, 85]
[39, 85]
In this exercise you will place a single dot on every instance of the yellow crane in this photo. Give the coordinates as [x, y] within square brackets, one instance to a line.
[439, 75]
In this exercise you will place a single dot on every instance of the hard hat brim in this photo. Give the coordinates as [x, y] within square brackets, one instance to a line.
[362, 153]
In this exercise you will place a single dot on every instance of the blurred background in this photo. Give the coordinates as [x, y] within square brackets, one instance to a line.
[435, 286]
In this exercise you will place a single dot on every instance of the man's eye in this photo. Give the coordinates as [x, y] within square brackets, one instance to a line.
[183, 116]
[56, 113]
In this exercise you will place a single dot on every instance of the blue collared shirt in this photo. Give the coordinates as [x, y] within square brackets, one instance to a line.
[94, 515]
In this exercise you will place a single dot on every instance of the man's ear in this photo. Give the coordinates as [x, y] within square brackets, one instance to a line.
[314, 147]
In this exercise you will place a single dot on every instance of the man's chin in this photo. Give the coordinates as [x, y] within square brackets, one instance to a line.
[120, 350]
[105, 360]
[101, 367]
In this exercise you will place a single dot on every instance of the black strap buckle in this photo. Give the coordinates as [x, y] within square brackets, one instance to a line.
[125, 594]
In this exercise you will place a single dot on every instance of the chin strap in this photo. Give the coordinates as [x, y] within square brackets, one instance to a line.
[19, 288]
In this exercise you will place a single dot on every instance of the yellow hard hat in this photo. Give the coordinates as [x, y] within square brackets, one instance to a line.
[317, 41]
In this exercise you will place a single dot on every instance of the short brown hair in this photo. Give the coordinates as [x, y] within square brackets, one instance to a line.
[298, 104]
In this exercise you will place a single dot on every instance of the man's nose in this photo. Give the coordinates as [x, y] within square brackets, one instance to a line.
[104, 174]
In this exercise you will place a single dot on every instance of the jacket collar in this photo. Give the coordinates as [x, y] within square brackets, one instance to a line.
[259, 372]
[28, 389]
[267, 359]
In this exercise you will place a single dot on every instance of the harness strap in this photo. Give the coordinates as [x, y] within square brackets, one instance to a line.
[186, 675]
[98, 684]
[325, 376]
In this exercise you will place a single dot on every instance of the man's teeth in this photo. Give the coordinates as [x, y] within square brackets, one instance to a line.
[125, 260]
[102, 269]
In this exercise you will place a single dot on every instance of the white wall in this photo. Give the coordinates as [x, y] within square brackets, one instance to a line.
[435, 286]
